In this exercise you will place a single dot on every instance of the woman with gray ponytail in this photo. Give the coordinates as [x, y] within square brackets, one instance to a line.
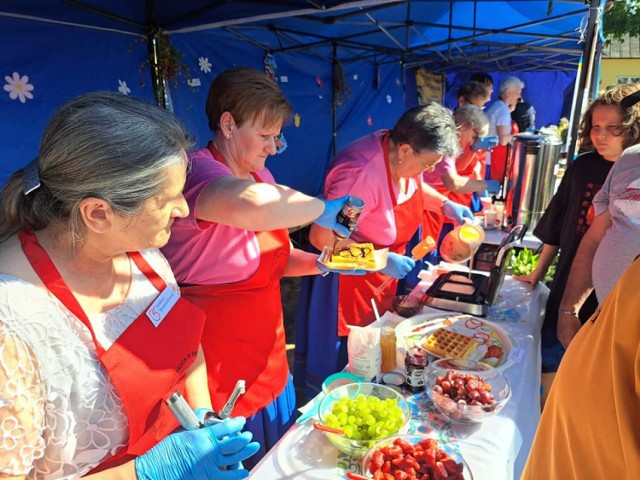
[94, 333]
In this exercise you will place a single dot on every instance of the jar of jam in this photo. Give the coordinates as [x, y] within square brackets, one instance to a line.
[415, 362]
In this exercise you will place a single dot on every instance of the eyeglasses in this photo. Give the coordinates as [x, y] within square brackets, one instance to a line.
[427, 158]
[615, 130]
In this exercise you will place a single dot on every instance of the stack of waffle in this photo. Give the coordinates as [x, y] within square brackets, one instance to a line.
[445, 343]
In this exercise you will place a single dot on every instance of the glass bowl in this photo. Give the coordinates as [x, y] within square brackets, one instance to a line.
[407, 309]
[407, 443]
[461, 396]
[359, 416]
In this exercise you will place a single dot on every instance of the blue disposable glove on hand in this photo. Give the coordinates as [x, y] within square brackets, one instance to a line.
[484, 143]
[199, 454]
[398, 266]
[329, 217]
[493, 186]
[456, 212]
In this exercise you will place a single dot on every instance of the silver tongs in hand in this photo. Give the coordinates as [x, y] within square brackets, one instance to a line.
[238, 390]
[189, 420]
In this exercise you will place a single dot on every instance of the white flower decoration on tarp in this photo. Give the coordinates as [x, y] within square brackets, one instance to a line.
[123, 88]
[204, 64]
[389, 99]
[18, 87]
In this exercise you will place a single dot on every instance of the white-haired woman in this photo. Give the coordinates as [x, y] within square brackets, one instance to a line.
[501, 124]
[457, 180]
[94, 333]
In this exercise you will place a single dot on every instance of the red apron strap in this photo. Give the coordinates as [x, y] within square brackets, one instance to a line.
[149, 272]
[385, 149]
[50, 276]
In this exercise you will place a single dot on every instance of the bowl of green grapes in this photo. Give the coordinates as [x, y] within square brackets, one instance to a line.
[365, 413]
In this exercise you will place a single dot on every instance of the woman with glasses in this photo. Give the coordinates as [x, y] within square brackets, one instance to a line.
[447, 177]
[384, 169]
[607, 129]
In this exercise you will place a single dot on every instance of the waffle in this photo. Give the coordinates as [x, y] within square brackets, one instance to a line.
[448, 344]
[359, 254]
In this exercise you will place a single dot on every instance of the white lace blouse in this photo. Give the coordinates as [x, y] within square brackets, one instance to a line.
[59, 413]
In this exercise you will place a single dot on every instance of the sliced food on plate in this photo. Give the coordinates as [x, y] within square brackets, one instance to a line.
[355, 256]
[359, 253]
[457, 336]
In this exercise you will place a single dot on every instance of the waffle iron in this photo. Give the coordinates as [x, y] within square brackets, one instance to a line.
[473, 293]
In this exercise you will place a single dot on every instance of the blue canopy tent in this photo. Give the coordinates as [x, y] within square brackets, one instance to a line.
[54, 50]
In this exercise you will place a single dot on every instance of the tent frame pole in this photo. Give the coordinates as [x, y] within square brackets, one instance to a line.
[585, 75]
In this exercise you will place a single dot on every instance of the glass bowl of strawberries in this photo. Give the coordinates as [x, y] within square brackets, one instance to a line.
[466, 391]
[414, 456]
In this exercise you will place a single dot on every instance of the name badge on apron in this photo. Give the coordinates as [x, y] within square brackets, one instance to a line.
[162, 305]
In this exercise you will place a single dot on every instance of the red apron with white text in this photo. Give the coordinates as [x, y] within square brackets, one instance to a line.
[356, 291]
[244, 333]
[146, 363]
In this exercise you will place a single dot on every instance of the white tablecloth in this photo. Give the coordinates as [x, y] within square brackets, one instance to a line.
[495, 450]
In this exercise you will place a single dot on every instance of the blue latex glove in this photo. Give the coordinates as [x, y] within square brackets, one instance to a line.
[484, 143]
[329, 217]
[398, 266]
[456, 212]
[202, 412]
[197, 454]
[493, 186]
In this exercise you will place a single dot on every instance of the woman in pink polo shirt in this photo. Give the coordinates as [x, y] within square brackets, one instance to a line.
[230, 253]
[385, 170]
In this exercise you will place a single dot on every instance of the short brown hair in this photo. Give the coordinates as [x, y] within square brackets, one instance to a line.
[473, 90]
[249, 95]
[630, 118]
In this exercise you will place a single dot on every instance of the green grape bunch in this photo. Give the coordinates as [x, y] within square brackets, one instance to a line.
[366, 417]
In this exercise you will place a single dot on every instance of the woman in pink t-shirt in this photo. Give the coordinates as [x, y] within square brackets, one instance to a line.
[230, 253]
[384, 169]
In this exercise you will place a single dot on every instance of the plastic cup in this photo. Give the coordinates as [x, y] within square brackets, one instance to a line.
[490, 219]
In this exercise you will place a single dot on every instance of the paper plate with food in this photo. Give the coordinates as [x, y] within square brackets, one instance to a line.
[457, 336]
[353, 258]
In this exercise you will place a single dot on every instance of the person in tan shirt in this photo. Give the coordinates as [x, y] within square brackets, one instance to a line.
[590, 424]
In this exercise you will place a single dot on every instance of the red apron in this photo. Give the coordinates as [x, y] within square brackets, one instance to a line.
[356, 291]
[499, 157]
[146, 363]
[432, 222]
[244, 332]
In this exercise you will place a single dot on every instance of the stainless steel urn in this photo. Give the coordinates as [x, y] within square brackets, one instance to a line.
[529, 181]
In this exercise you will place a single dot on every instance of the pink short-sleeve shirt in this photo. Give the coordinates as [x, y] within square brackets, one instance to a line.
[446, 166]
[360, 170]
[203, 253]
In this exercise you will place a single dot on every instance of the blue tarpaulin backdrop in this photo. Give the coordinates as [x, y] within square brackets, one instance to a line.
[45, 63]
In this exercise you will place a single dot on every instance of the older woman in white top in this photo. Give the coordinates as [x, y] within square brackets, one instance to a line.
[93, 332]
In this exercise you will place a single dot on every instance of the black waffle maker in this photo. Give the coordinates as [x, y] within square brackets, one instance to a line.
[475, 292]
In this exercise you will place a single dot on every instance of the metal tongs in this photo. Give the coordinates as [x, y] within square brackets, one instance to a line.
[238, 390]
[189, 420]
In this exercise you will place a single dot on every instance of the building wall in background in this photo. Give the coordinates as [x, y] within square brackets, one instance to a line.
[620, 62]
[613, 70]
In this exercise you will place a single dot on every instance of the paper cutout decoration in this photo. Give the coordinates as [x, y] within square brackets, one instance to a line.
[18, 87]
[281, 143]
[270, 67]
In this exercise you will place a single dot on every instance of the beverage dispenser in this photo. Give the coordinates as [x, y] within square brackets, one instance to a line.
[529, 179]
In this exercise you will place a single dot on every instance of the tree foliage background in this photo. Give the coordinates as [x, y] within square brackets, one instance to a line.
[622, 18]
